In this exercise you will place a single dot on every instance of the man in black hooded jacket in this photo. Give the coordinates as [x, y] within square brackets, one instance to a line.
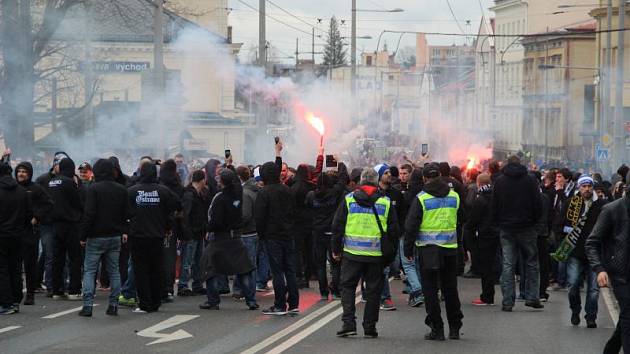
[151, 208]
[15, 219]
[42, 205]
[170, 179]
[103, 227]
[274, 219]
[66, 215]
[516, 208]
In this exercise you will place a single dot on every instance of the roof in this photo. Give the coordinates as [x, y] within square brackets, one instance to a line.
[120, 21]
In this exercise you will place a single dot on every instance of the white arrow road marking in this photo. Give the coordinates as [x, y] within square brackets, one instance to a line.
[10, 328]
[66, 312]
[152, 332]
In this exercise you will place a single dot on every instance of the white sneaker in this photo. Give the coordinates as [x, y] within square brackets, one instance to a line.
[75, 297]
[138, 310]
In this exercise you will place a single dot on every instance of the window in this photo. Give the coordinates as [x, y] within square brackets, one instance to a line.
[368, 60]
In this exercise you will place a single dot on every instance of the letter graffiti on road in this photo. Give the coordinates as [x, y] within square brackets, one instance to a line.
[152, 332]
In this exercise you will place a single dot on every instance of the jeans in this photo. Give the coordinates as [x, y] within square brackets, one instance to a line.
[169, 264]
[10, 273]
[47, 234]
[386, 292]
[372, 275]
[513, 241]
[411, 271]
[323, 254]
[281, 257]
[486, 252]
[446, 277]
[129, 288]
[109, 249]
[577, 270]
[66, 243]
[148, 263]
[263, 272]
[251, 244]
[621, 336]
[190, 258]
[247, 289]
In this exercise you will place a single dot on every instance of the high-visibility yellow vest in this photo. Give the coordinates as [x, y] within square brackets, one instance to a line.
[439, 220]
[362, 235]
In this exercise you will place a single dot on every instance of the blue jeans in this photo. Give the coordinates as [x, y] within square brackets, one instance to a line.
[513, 242]
[251, 244]
[577, 271]
[248, 289]
[109, 249]
[263, 272]
[411, 271]
[47, 235]
[129, 288]
[386, 293]
[190, 258]
[281, 261]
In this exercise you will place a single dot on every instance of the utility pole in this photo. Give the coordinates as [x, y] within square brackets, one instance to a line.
[619, 130]
[297, 52]
[313, 50]
[353, 48]
[158, 70]
[606, 82]
[547, 99]
[262, 40]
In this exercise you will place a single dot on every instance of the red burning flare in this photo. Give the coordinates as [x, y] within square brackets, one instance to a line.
[316, 123]
[471, 163]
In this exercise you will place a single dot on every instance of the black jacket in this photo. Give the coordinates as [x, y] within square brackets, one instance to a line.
[608, 244]
[65, 194]
[41, 202]
[225, 213]
[275, 205]
[323, 204]
[591, 218]
[398, 204]
[15, 209]
[151, 206]
[195, 207]
[437, 188]
[366, 196]
[480, 216]
[516, 202]
[303, 218]
[250, 192]
[105, 213]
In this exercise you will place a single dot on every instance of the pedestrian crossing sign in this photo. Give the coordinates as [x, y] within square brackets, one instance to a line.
[602, 154]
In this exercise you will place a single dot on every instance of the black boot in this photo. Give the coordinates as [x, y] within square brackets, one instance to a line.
[112, 310]
[86, 311]
[435, 334]
[347, 330]
[30, 299]
[453, 331]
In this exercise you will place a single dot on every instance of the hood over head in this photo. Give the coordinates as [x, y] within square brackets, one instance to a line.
[211, 168]
[514, 170]
[104, 170]
[270, 173]
[25, 165]
[437, 188]
[148, 173]
[168, 173]
[7, 182]
[303, 173]
[66, 167]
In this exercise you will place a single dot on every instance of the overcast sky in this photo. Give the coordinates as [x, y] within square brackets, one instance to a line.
[418, 15]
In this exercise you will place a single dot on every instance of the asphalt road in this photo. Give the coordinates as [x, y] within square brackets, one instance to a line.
[54, 327]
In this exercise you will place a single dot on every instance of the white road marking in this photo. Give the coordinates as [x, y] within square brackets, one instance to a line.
[610, 304]
[297, 325]
[311, 329]
[63, 313]
[10, 328]
[152, 332]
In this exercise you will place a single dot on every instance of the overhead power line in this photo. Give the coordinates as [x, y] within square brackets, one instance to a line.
[294, 16]
[275, 19]
[448, 2]
[535, 35]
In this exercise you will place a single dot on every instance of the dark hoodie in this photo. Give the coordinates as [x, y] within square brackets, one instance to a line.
[301, 186]
[15, 208]
[211, 173]
[480, 216]
[40, 200]
[65, 194]
[274, 206]
[437, 188]
[250, 193]
[516, 202]
[119, 176]
[366, 196]
[324, 201]
[151, 205]
[195, 219]
[105, 213]
[225, 213]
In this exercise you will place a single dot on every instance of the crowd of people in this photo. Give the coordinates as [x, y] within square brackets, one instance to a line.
[172, 229]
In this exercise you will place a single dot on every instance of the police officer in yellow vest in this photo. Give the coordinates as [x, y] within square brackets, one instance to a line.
[431, 225]
[364, 252]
